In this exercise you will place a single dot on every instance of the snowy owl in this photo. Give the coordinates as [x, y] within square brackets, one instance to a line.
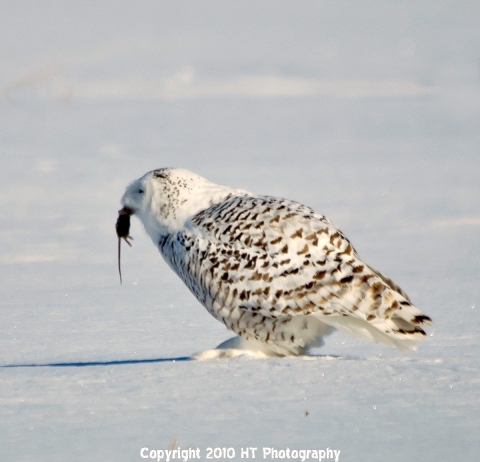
[275, 272]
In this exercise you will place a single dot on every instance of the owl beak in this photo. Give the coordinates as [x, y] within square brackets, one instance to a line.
[126, 211]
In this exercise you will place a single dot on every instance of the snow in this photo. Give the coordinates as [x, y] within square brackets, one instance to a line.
[367, 112]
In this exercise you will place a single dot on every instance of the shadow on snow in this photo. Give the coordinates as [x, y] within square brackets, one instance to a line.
[102, 363]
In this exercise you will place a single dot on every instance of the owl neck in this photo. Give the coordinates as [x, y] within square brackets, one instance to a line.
[165, 220]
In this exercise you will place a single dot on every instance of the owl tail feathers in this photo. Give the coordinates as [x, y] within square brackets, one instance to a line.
[395, 332]
[381, 312]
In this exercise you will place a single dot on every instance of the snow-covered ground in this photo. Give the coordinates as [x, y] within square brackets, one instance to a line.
[367, 111]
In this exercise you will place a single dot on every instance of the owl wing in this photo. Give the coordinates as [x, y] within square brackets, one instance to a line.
[277, 258]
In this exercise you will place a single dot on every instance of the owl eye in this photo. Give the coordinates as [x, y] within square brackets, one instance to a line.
[141, 191]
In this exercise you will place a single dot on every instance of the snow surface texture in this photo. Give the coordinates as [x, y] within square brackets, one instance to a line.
[368, 112]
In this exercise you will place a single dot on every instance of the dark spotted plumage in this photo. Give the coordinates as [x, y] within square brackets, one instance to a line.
[272, 270]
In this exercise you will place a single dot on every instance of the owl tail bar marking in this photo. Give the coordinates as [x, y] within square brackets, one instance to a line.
[123, 228]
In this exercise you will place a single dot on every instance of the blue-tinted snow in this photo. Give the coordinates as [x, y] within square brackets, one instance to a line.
[369, 112]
